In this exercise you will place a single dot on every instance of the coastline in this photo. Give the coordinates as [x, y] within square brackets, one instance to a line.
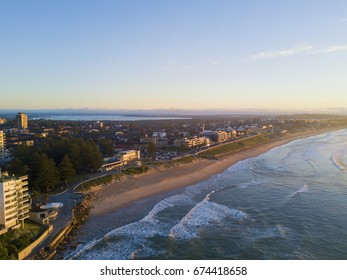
[115, 196]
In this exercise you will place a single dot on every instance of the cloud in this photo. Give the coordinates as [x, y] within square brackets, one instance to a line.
[329, 49]
[280, 53]
[307, 49]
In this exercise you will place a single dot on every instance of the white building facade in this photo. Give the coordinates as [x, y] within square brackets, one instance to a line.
[14, 201]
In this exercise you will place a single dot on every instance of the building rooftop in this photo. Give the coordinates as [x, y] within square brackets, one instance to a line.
[5, 177]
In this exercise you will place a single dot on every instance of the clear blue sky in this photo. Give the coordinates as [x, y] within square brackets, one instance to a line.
[216, 54]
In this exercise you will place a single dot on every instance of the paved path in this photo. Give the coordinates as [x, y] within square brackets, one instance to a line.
[70, 199]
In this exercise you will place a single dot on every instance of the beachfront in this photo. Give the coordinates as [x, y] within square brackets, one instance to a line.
[109, 198]
[225, 209]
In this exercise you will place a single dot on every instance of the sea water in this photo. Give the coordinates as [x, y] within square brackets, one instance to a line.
[289, 203]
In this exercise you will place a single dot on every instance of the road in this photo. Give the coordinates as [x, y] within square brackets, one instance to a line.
[69, 199]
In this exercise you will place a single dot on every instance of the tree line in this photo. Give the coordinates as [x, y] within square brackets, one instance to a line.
[54, 161]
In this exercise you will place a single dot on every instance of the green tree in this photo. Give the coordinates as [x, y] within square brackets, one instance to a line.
[91, 156]
[151, 149]
[75, 155]
[22, 242]
[66, 169]
[24, 153]
[12, 251]
[106, 147]
[46, 175]
[3, 252]
[17, 167]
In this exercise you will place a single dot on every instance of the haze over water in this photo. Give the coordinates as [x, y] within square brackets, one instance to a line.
[102, 117]
[288, 203]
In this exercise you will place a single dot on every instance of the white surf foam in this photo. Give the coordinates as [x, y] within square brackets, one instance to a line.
[82, 248]
[304, 189]
[201, 215]
[337, 161]
[132, 237]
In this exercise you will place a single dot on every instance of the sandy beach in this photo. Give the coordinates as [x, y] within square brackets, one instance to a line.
[112, 197]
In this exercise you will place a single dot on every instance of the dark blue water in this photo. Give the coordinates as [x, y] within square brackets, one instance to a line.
[289, 203]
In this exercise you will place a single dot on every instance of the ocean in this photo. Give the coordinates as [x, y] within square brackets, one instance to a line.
[99, 117]
[288, 203]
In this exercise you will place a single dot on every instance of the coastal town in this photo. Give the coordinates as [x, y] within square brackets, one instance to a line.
[49, 166]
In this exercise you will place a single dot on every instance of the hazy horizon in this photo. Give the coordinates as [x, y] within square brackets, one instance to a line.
[228, 56]
[172, 112]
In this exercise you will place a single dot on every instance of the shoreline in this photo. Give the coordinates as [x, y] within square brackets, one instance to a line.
[115, 196]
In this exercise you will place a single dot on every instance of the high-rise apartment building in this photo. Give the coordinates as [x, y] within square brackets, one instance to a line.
[2, 145]
[22, 121]
[14, 201]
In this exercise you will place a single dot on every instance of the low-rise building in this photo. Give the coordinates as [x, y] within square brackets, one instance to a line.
[111, 163]
[241, 131]
[218, 136]
[159, 134]
[98, 125]
[45, 213]
[192, 142]
[129, 155]
[160, 142]
[40, 216]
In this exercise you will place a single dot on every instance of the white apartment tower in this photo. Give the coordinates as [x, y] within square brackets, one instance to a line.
[14, 201]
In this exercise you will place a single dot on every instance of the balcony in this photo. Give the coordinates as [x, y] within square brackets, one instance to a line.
[10, 195]
[24, 208]
[12, 202]
[10, 191]
[23, 194]
[23, 216]
[23, 178]
[24, 189]
[11, 217]
[10, 208]
[22, 200]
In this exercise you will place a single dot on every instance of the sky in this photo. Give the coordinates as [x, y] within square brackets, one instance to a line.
[265, 55]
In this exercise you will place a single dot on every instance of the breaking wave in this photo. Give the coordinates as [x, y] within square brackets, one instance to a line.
[304, 189]
[337, 161]
[269, 207]
[203, 214]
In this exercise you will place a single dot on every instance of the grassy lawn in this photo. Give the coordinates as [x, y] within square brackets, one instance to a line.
[158, 163]
[230, 147]
[35, 228]
[234, 146]
[136, 170]
[99, 181]
[255, 140]
[183, 160]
